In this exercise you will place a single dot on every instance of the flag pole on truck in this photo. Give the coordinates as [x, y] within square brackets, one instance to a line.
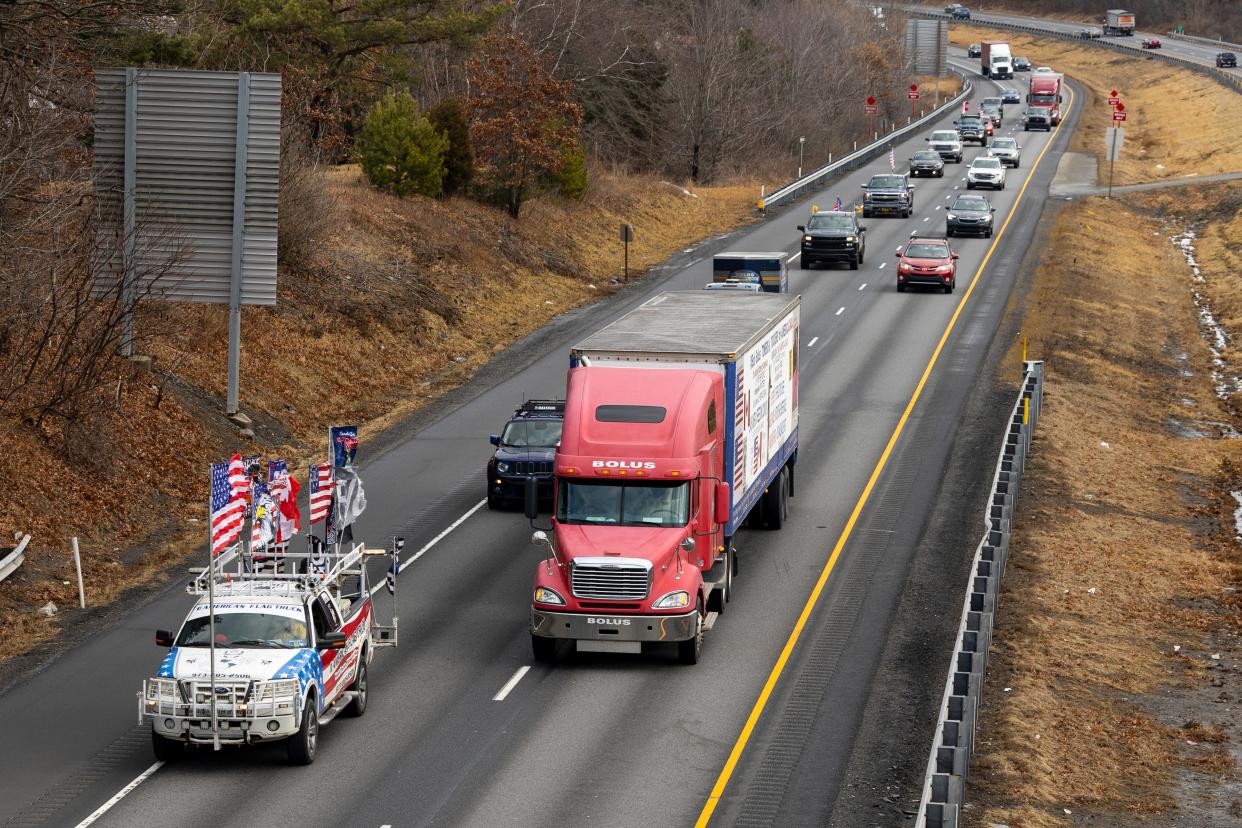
[211, 626]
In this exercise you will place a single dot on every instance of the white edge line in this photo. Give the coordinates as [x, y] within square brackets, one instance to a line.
[511, 683]
[811, 344]
[121, 794]
[795, 255]
[427, 546]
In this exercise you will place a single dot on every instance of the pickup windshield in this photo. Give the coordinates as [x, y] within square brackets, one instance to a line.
[629, 503]
[886, 182]
[942, 135]
[532, 434]
[244, 629]
[822, 222]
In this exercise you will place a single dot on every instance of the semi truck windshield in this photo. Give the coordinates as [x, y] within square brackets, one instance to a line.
[629, 503]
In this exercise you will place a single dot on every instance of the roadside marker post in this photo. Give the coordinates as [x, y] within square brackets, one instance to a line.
[77, 564]
[627, 236]
[1115, 134]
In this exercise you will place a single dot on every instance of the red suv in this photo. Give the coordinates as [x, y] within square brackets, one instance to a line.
[927, 260]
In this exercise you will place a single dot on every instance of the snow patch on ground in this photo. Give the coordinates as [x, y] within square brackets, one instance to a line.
[1226, 382]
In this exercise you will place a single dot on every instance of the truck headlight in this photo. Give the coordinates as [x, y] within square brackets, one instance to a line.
[673, 600]
[951, 216]
[544, 595]
[806, 238]
[904, 196]
[502, 467]
[851, 238]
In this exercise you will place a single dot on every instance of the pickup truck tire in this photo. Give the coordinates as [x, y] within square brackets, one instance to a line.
[543, 649]
[301, 746]
[688, 651]
[803, 264]
[166, 750]
[854, 263]
[866, 213]
[359, 705]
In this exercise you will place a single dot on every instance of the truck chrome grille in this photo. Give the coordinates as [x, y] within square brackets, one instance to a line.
[614, 581]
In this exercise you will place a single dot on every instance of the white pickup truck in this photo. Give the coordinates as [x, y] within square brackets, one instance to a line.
[267, 656]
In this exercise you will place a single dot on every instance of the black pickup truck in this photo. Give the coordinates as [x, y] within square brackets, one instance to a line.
[888, 193]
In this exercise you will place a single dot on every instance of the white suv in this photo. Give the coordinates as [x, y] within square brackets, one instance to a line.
[986, 172]
[946, 142]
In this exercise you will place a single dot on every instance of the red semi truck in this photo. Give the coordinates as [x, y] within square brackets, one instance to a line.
[681, 422]
[1046, 91]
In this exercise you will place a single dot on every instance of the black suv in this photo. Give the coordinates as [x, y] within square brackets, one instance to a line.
[972, 128]
[833, 236]
[974, 50]
[926, 162]
[525, 448]
[888, 193]
[1021, 64]
[1227, 60]
[1037, 117]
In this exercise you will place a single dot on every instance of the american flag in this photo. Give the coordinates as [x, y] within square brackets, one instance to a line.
[228, 509]
[320, 491]
[837, 205]
[239, 484]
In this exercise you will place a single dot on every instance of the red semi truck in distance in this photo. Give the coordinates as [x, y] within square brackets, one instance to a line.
[1046, 91]
[681, 422]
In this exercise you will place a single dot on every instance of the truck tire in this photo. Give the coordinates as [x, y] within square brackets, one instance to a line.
[688, 651]
[359, 705]
[719, 597]
[901, 288]
[803, 264]
[301, 746]
[854, 263]
[494, 503]
[543, 649]
[776, 502]
[166, 750]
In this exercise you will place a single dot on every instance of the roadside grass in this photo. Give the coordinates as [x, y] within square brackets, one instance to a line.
[1179, 122]
[1123, 560]
[404, 300]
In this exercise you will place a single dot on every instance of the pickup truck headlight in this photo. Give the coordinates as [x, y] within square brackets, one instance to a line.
[851, 238]
[806, 238]
[502, 467]
[673, 600]
[543, 595]
[904, 196]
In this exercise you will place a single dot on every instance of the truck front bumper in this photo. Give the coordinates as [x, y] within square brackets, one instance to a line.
[604, 626]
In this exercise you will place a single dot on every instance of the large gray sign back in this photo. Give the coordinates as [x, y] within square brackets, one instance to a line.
[927, 46]
[185, 136]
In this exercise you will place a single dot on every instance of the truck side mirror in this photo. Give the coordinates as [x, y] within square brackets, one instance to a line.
[163, 638]
[802, 228]
[898, 254]
[721, 503]
[532, 498]
[494, 439]
[862, 186]
[333, 641]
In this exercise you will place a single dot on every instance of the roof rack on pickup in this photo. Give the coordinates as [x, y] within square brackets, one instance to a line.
[237, 573]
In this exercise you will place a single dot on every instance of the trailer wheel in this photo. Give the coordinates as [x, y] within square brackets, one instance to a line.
[688, 651]
[776, 501]
[359, 705]
[166, 750]
[302, 745]
[544, 649]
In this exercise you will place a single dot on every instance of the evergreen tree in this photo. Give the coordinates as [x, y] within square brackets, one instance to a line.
[449, 118]
[399, 150]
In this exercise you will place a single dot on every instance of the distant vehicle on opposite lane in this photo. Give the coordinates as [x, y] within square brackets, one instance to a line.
[927, 260]
[1226, 60]
[1152, 43]
[1091, 33]
[926, 162]
[833, 236]
[961, 13]
[969, 213]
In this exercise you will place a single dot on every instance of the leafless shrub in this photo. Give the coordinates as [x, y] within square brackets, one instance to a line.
[307, 211]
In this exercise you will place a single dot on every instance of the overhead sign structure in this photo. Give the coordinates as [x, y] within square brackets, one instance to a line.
[927, 46]
[187, 180]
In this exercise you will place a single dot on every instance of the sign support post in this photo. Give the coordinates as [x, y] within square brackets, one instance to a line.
[239, 238]
[129, 212]
[627, 236]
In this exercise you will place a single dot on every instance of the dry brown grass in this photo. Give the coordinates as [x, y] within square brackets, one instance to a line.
[404, 300]
[1109, 504]
[1180, 123]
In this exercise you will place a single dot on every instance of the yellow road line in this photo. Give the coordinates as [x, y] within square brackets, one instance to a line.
[726, 773]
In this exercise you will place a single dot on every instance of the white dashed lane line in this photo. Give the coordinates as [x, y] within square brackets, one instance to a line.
[840, 311]
[885, 264]
[929, 217]
[863, 285]
[811, 344]
[511, 683]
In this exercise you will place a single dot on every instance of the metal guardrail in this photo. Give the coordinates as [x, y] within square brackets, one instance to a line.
[815, 178]
[1224, 45]
[944, 784]
[13, 559]
[1226, 78]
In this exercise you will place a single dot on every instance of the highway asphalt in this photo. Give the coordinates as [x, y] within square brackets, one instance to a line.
[628, 740]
